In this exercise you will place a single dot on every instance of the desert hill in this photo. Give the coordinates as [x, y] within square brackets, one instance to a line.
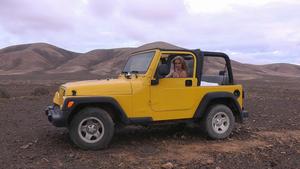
[48, 59]
[28, 58]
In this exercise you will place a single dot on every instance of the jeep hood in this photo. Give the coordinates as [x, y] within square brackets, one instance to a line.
[98, 87]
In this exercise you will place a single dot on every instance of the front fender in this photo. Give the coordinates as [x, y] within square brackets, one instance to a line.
[80, 101]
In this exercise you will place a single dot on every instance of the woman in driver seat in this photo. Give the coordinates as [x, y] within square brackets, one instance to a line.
[178, 69]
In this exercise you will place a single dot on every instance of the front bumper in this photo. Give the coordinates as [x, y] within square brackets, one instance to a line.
[56, 116]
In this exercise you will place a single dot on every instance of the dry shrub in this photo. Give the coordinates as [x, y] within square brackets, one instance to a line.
[4, 94]
[40, 91]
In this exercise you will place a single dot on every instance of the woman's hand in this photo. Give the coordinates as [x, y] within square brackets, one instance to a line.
[175, 75]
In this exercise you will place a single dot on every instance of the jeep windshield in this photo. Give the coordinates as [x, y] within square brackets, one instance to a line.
[138, 63]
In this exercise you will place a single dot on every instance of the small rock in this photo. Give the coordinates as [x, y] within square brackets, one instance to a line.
[45, 159]
[71, 155]
[218, 167]
[269, 146]
[60, 164]
[209, 161]
[26, 146]
[168, 165]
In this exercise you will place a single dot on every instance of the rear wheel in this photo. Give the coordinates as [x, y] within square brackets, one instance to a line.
[91, 129]
[219, 121]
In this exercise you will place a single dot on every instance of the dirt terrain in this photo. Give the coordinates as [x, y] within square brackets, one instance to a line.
[270, 138]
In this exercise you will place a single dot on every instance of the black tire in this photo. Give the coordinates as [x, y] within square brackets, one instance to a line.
[92, 121]
[223, 119]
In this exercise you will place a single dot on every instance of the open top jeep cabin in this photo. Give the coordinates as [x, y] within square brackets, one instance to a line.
[157, 85]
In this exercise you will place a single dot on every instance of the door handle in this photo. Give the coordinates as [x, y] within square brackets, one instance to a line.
[188, 83]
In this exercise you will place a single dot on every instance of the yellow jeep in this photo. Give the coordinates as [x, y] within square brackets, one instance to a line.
[155, 86]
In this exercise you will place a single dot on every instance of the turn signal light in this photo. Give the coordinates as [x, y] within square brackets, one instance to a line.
[70, 104]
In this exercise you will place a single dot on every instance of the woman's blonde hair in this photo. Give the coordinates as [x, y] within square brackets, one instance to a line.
[182, 61]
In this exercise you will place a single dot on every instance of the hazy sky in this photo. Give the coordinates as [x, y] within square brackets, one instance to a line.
[251, 31]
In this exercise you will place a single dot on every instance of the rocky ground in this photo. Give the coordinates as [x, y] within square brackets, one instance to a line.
[270, 138]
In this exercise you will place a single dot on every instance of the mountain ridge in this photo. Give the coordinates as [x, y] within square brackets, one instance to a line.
[49, 59]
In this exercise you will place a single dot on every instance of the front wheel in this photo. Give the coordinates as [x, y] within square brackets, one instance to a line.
[91, 129]
[219, 121]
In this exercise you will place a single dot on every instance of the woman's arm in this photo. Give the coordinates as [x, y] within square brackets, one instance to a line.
[169, 75]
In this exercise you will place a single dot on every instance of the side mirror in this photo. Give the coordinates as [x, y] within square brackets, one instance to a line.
[163, 70]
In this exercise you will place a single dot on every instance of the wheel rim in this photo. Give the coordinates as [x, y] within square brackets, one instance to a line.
[91, 129]
[220, 122]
